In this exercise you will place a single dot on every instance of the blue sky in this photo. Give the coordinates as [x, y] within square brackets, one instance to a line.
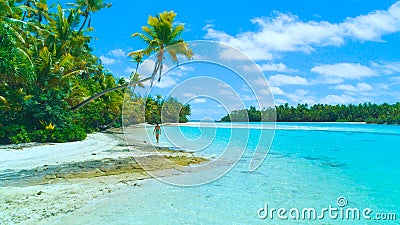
[334, 52]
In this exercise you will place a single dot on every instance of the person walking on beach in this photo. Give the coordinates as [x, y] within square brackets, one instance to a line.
[157, 131]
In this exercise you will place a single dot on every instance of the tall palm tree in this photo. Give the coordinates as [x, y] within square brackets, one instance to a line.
[90, 6]
[161, 36]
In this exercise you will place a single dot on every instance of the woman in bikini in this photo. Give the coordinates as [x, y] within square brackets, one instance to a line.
[157, 131]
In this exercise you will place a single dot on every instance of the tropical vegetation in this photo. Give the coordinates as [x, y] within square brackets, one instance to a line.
[160, 36]
[47, 69]
[154, 110]
[367, 112]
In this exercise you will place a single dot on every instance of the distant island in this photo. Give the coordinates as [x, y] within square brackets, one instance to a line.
[368, 112]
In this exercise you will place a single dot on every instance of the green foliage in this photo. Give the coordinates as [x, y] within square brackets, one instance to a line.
[73, 133]
[254, 115]
[168, 110]
[367, 112]
[154, 110]
[250, 115]
[393, 119]
[16, 134]
[46, 67]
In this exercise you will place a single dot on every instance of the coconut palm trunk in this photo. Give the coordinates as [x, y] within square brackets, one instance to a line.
[96, 96]
[161, 37]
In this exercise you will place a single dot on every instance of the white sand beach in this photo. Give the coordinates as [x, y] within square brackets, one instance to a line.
[40, 184]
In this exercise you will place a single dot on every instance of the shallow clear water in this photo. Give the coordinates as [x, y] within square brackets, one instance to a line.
[309, 165]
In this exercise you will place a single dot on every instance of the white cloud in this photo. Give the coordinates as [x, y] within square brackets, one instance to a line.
[185, 68]
[382, 86]
[345, 70]
[373, 26]
[242, 43]
[393, 67]
[346, 87]
[179, 71]
[227, 91]
[265, 93]
[118, 53]
[278, 67]
[188, 95]
[300, 96]
[223, 85]
[360, 87]
[166, 82]
[336, 99]
[364, 87]
[147, 67]
[232, 54]
[281, 79]
[279, 101]
[199, 100]
[248, 98]
[129, 70]
[208, 26]
[388, 68]
[395, 80]
[328, 80]
[277, 91]
[287, 33]
[107, 61]
[245, 88]
[262, 82]
[113, 57]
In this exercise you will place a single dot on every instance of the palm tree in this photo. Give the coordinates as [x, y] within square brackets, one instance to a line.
[137, 59]
[16, 65]
[158, 99]
[161, 36]
[88, 7]
[42, 11]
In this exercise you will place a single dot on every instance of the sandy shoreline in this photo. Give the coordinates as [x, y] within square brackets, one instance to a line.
[41, 184]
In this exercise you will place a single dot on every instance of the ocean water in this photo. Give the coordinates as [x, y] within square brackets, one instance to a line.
[309, 166]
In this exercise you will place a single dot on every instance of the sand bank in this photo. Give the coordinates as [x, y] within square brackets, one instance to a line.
[40, 184]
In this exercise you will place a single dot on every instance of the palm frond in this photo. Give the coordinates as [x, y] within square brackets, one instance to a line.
[5, 9]
[72, 73]
[66, 61]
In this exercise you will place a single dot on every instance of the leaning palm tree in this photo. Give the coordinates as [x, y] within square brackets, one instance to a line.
[161, 36]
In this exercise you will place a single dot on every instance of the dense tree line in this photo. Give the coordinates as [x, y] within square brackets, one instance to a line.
[47, 68]
[154, 110]
[367, 112]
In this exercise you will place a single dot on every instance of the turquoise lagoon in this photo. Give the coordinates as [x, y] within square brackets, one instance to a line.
[309, 165]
